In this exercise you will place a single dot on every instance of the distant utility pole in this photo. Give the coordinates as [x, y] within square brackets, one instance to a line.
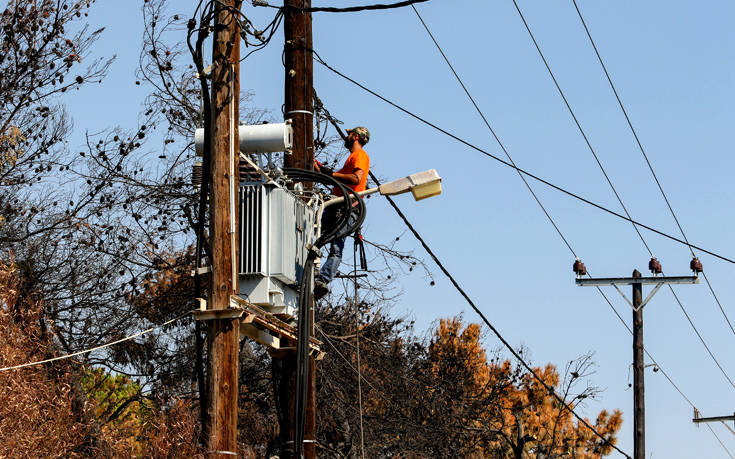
[299, 107]
[223, 336]
[639, 418]
[698, 419]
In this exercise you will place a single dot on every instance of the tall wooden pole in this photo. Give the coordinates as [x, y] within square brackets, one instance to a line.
[223, 336]
[639, 426]
[299, 84]
[299, 107]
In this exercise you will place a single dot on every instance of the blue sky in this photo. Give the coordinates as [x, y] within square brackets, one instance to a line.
[672, 63]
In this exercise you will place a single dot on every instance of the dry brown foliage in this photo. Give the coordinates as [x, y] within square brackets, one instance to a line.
[40, 410]
[45, 410]
[172, 432]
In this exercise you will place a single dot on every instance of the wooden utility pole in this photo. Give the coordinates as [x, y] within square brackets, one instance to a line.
[223, 336]
[639, 408]
[637, 281]
[299, 107]
[299, 84]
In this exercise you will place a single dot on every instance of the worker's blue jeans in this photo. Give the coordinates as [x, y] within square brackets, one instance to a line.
[331, 264]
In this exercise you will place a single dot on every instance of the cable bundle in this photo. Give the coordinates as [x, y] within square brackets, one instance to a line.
[342, 226]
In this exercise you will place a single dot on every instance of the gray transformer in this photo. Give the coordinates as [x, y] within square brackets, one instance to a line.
[275, 229]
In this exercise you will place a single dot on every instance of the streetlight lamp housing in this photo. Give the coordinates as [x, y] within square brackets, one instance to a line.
[422, 185]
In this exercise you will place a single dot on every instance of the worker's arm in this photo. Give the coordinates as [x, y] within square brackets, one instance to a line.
[350, 179]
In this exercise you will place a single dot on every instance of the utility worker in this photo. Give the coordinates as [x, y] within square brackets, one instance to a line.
[354, 174]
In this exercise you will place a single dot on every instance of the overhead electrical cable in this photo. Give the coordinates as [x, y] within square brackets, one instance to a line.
[97, 348]
[357, 348]
[492, 328]
[645, 156]
[556, 227]
[343, 224]
[197, 55]
[492, 131]
[612, 187]
[508, 164]
[550, 390]
[579, 127]
[349, 9]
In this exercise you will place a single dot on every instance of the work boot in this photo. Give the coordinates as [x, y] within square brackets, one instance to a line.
[320, 289]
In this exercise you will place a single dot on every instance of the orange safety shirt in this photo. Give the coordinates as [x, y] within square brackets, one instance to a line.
[357, 160]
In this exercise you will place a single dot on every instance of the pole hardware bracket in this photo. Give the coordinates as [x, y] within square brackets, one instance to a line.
[232, 312]
[217, 314]
[201, 270]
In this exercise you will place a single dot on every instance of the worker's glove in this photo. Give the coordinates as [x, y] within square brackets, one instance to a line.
[326, 170]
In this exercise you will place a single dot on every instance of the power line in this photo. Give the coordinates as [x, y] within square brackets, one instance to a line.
[528, 174]
[487, 322]
[508, 164]
[87, 351]
[645, 156]
[615, 192]
[349, 9]
[357, 346]
[579, 127]
[492, 131]
[482, 115]
[456, 285]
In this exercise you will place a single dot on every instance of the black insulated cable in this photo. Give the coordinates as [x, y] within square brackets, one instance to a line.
[522, 171]
[197, 55]
[343, 226]
[492, 131]
[492, 328]
[477, 310]
[349, 9]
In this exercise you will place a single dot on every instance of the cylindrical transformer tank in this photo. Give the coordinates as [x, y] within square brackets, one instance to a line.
[257, 138]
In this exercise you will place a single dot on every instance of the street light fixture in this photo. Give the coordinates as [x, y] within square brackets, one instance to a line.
[422, 185]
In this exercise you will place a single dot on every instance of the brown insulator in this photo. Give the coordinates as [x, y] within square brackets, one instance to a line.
[696, 265]
[579, 268]
[655, 266]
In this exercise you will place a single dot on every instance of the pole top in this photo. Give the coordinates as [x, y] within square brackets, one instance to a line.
[636, 273]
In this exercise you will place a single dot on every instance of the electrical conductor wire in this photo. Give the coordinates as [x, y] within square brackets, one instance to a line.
[341, 226]
[508, 164]
[612, 187]
[97, 348]
[357, 345]
[502, 146]
[513, 165]
[645, 156]
[492, 328]
[349, 9]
